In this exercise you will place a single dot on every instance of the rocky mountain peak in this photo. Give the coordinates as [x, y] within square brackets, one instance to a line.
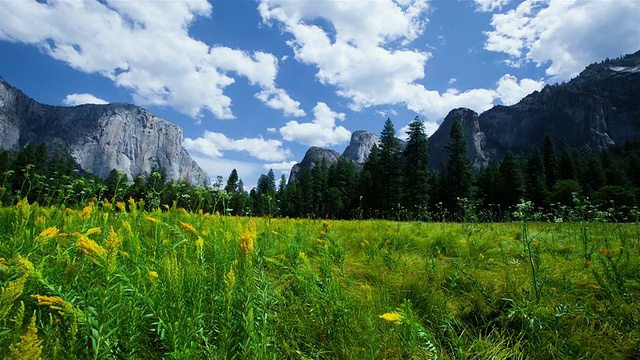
[100, 138]
[360, 146]
[313, 157]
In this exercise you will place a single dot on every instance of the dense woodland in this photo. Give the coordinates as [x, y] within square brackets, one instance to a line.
[395, 183]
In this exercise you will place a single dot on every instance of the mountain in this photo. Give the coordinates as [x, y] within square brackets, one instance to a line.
[595, 110]
[313, 157]
[100, 138]
[598, 108]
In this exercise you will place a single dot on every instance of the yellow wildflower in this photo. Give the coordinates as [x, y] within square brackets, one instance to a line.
[152, 275]
[481, 256]
[29, 347]
[121, 206]
[131, 202]
[326, 225]
[25, 264]
[246, 242]
[199, 242]
[151, 220]
[54, 303]
[392, 317]
[251, 226]
[113, 241]
[106, 204]
[40, 220]
[47, 234]
[188, 227]
[105, 217]
[230, 279]
[89, 247]
[86, 212]
[463, 242]
[93, 231]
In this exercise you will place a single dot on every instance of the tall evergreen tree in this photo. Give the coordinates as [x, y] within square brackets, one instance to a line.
[511, 181]
[536, 183]
[232, 182]
[567, 164]
[390, 175]
[550, 161]
[416, 167]
[459, 175]
[369, 186]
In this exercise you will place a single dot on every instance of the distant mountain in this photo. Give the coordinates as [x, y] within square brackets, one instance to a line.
[595, 110]
[100, 138]
[598, 108]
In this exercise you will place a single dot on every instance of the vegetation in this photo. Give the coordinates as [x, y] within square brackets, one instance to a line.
[111, 280]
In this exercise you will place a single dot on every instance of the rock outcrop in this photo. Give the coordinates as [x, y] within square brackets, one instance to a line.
[100, 138]
[360, 146]
[314, 156]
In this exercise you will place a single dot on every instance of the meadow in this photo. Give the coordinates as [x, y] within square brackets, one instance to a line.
[112, 281]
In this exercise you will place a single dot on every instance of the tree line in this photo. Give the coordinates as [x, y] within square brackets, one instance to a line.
[396, 182]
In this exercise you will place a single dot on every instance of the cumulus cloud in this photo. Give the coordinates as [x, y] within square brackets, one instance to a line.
[321, 131]
[144, 47]
[565, 35]
[212, 144]
[284, 167]
[510, 91]
[80, 99]
[368, 57]
[279, 99]
[490, 5]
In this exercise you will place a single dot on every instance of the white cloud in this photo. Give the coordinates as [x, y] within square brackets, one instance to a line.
[565, 35]
[510, 91]
[272, 130]
[142, 46]
[452, 80]
[490, 5]
[367, 57]
[79, 99]
[284, 167]
[278, 99]
[322, 131]
[212, 144]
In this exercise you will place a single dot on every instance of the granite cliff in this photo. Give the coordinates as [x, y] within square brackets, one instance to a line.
[100, 138]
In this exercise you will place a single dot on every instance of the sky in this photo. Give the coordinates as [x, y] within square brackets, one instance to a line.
[254, 83]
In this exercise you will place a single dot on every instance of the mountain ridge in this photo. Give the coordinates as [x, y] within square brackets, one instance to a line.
[100, 138]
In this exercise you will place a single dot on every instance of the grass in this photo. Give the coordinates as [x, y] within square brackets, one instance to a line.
[107, 281]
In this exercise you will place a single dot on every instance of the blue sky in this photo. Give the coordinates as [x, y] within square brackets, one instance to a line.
[255, 83]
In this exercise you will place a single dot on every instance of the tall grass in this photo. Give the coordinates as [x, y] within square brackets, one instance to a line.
[113, 281]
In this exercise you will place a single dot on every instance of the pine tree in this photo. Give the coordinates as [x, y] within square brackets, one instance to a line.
[416, 168]
[390, 174]
[511, 181]
[232, 182]
[550, 161]
[458, 179]
[536, 183]
[567, 164]
[369, 186]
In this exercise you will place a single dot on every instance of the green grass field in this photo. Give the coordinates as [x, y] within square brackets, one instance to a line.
[111, 281]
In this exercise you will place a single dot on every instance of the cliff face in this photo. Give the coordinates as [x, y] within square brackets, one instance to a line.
[360, 146]
[99, 137]
[313, 157]
[593, 111]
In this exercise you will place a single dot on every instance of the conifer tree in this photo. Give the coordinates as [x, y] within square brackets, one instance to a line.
[536, 184]
[389, 175]
[511, 181]
[416, 167]
[550, 161]
[458, 177]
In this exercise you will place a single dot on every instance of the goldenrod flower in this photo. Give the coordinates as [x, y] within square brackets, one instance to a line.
[153, 275]
[47, 234]
[89, 247]
[106, 204]
[188, 227]
[151, 220]
[326, 225]
[113, 241]
[230, 279]
[25, 264]
[86, 212]
[131, 202]
[121, 206]
[199, 242]
[54, 303]
[246, 242]
[93, 231]
[40, 220]
[392, 317]
[29, 347]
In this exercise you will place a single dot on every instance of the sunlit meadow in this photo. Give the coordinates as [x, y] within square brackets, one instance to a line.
[109, 280]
